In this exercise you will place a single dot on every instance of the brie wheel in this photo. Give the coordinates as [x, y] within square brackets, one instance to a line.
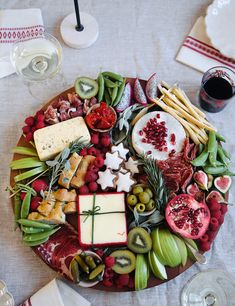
[173, 126]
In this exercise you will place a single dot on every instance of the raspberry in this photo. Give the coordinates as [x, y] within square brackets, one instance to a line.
[95, 139]
[105, 141]
[107, 282]
[83, 152]
[93, 168]
[109, 261]
[33, 129]
[29, 137]
[105, 135]
[105, 150]
[40, 125]
[211, 235]
[100, 253]
[123, 279]
[90, 177]
[93, 186]
[92, 151]
[213, 205]
[223, 208]
[99, 162]
[205, 246]
[221, 219]
[40, 117]
[204, 238]
[40, 112]
[216, 214]
[35, 202]
[30, 121]
[83, 189]
[22, 195]
[131, 283]
[39, 185]
[98, 152]
[108, 273]
[26, 129]
[214, 224]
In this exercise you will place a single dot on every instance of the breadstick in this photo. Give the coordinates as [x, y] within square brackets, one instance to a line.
[189, 117]
[188, 105]
[171, 111]
[201, 133]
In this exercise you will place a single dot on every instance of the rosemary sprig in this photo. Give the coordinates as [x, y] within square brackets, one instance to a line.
[156, 182]
[61, 161]
[78, 145]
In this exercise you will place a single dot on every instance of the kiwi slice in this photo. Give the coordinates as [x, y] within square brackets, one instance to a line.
[124, 261]
[86, 88]
[139, 240]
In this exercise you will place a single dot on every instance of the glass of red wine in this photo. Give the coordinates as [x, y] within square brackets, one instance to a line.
[217, 89]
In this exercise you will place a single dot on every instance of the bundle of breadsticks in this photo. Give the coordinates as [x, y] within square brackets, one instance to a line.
[175, 102]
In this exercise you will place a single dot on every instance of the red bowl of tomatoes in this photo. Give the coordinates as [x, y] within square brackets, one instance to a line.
[101, 117]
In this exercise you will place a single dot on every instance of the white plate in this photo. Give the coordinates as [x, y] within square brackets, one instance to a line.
[220, 26]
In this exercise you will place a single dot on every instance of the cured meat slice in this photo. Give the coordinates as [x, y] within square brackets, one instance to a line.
[61, 245]
[177, 170]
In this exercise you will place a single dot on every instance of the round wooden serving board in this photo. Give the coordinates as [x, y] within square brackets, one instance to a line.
[171, 272]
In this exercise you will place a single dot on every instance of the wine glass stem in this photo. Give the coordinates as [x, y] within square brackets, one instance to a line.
[210, 299]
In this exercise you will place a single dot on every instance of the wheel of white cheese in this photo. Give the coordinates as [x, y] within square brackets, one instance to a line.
[173, 126]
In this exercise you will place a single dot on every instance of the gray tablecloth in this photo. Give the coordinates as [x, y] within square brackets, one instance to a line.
[137, 38]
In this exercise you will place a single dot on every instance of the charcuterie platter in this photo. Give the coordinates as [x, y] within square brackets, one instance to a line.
[120, 184]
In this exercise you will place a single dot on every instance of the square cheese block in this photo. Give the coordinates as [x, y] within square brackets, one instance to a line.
[109, 228]
[52, 139]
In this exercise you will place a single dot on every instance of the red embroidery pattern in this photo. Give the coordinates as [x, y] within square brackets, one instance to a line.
[10, 35]
[207, 50]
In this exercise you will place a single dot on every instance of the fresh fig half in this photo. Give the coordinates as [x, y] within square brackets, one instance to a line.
[223, 183]
[210, 181]
[126, 98]
[139, 94]
[201, 179]
[187, 217]
[216, 195]
[151, 88]
[192, 189]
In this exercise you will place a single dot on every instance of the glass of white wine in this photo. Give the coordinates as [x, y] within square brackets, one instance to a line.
[38, 62]
[212, 287]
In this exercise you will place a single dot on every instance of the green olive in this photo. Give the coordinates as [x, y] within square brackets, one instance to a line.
[140, 207]
[144, 197]
[149, 191]
[137, 190]
[150, 205]
[131, 199]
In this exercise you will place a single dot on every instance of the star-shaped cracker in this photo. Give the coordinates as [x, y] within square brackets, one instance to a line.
[124, 182]
[132, 165]
[121, 150]
[123, 170]
[112, 160]
[106, 179]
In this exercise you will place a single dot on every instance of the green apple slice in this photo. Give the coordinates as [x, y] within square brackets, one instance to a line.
[156, 266]
[182, 249]
[141, 272]
[157, 246]
[169, 248]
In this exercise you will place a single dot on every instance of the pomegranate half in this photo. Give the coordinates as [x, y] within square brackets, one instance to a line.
[187, 216]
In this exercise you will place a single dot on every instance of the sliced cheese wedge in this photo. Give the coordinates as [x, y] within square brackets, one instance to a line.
[52, 139]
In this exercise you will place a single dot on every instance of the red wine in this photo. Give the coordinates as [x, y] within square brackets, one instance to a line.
[217, 88]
